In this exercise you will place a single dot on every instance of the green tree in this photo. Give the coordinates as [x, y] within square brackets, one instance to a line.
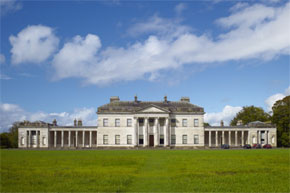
[249, 114]
[281, 118]
[4, 140]
[206, 124]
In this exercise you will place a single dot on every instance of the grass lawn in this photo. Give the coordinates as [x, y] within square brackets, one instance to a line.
[145, 171]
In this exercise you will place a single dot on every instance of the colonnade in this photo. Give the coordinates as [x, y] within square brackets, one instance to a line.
[218, 137]
[31, 142]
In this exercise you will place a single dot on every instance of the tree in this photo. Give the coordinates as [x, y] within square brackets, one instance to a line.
[206, 124]
[281, 118]
[10, 139]
[249, 114]
[4, 140]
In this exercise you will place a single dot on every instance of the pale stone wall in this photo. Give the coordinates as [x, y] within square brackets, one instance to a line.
[43, 137]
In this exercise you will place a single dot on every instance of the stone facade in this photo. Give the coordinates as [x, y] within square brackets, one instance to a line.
[140, 124]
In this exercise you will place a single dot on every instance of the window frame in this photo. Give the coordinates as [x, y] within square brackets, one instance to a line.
[105, 122]
[141, 137]
[161, 138]
[195, 122]
[117, 122]
[129, 125]
[129, 139]
[117, 139]
[184, 122]
[173, 139]
[184, 139]
[196, 140]
[105, 139]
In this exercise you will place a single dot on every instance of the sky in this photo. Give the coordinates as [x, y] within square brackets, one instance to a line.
[62, 59]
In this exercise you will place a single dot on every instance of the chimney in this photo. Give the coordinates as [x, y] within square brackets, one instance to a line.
[75, 122]
[165, 99]
[185, 99]
[240, 122]
[80, 123]
[222, 123]
[135, 98]
[54, 123]
[114, 99]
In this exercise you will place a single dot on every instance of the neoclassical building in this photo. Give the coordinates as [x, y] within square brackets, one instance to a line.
[137, 124]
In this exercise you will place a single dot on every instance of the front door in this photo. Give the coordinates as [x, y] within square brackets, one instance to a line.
[151, 140]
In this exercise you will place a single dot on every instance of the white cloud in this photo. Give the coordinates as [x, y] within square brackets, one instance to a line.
[10, 113]
[7, 6]
[2, 59]
[179, 8]
[270, 101]
[228, 113]
[4, 77]
[253, 32]
[33, 44]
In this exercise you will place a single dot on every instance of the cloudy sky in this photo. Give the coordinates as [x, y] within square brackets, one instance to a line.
[64, 59]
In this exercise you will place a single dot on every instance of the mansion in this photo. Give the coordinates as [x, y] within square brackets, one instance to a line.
[138, 124]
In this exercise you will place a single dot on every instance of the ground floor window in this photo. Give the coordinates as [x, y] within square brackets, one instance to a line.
[254, 139]
[22, 140]
[44, 140]
[161, 139]
[141, 140]
[184, 139]
[105, 139]
[117, 139]
[196, 139]
[129, 139]
[173, 139]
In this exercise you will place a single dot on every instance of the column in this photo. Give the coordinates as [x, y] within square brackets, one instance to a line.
[209, 138]
[55, 138]
[145, 138]
[267, 134]
[29, 138]
[166, 133]
[242, 138]
[83, 138]
[223, 137]
[259, 137]
[36, 132]
[90, 138]
[249, 140]
[236, 138]
[155, 129]
[96, 138]
[69, 137]
[62, 138]
[216, 138]
[230, 138]
[77, 136]
[135, 136]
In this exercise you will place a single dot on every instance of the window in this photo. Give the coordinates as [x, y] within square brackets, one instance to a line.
[184, 122]
[43, 140]
[184, 139]
[105, 123]
[105, 139]
[129, 122]
[129, 139]
[196, 139]
[117, 122]
[141, 121]
[141, 141]
[196, 122]
[161, 139]
[117, 139]
[173, 139]
[173, 122]
[22, 140]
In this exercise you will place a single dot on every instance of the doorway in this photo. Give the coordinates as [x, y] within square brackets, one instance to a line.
[151, 140]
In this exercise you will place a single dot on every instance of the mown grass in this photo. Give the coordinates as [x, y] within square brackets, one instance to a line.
[145, 171]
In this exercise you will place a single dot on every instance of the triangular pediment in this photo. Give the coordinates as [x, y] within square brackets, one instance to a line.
[153, 109]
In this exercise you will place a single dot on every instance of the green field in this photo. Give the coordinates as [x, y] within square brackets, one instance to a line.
[145, 171]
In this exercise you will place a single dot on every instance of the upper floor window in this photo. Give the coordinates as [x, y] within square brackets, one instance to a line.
[129, 122]
[173, 122]
[117, 122]
[129, 139]
[105, 122]
[105, 139]
[196, 139]
[117, 139]
[184, 139]
[184, 122]
[196, 122]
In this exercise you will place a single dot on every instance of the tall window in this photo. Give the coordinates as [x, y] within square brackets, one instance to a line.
[105, 123]
[105, 139]
[173, 139]
[184, 139]
[22, 140]
[161, 139]
[141, 140]
[117, 122]
[129, 139]
[173, 122]
[196, 122]
[184, 122]
[129, 122]
[43, 140]
[117, 139]
[196, 139]
[254, 140]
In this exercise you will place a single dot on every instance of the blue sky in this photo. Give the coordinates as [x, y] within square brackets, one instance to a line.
[64, 59]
